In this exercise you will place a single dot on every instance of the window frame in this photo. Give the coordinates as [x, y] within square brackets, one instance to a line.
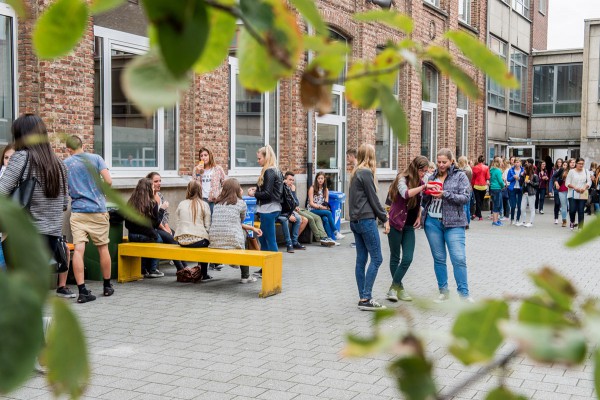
[392, 139]
[543, 6]
[523, 82]
[468, 4]
[492, 87]
[435, 3]
[522, 7]
[138, 45]
[7, 11]
[431, 107]
[464, 115]
[555, 101]
[245, 171]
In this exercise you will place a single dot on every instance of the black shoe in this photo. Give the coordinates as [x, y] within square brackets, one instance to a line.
[206, 278]
[85, 297]
[370, 305]
[108, 290]
[298, 246]
[290, 249]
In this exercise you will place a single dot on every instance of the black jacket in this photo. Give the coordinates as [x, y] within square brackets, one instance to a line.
[150, 232]
[271, 189]
[530, 187]
[363, 199]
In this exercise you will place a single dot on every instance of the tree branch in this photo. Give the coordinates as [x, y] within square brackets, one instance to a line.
[329, 81]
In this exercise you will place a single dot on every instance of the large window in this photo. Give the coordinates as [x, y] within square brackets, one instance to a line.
[429, 112]
[7, 72]
[522, 7]
[464, 11]
[126, 138]
[462, 124]
[518, 67]
[434, 2]
[496, 93]
[557, 89]
[253, 121]
[386, 144]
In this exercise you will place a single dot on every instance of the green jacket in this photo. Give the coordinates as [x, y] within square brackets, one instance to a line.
[496, 181]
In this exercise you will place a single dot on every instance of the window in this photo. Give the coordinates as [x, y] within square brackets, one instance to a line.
[126, 138]
[496, 93]
[557, 89]
[464, 11]
[522, 7]
[7, 72]
[429, 112]
[518, 67]
[462, 123]
[543, 6]
[253, 121]
[433, 2]
[386, 143]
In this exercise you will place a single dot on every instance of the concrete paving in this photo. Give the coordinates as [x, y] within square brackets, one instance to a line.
[158, 339]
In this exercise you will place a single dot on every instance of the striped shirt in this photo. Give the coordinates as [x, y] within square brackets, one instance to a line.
[46, 213]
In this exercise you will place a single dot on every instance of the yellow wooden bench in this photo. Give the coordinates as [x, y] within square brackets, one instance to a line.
[130, 261]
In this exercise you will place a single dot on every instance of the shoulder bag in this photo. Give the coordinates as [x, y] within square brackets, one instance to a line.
[23, 192]
[61, 255]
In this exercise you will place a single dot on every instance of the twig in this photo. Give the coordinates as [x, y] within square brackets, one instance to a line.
[328, 81]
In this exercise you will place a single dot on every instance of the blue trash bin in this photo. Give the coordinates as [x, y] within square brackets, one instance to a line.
[336, 199]
[250, 211]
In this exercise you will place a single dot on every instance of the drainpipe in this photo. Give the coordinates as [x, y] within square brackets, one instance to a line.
[485, 99]
[309, 148]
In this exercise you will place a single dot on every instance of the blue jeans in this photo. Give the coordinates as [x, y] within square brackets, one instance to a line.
[328, 221]
[496, 195]
[577, 206]
[540, 196]
[366, 237]
[148, 264]
[515, 197]
[268, 240]
[285, 228]
[439, 238]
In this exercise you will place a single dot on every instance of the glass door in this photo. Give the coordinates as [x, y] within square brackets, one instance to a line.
[523, 152]
[329, 150]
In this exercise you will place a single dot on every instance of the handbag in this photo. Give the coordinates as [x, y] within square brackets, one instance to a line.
[252, 243]
[61, 255]
[23, 192]
[193, 274]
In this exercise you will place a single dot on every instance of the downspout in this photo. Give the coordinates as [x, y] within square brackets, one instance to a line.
[309, 148]
[509, 44]
[485, 99]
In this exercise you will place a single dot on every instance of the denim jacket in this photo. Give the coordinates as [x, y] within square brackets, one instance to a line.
[456, 195]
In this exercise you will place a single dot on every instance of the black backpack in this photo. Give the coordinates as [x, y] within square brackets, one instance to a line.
[288, 203]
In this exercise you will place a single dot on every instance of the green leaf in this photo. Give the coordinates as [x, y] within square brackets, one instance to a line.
[589, 232]
[310, 12]
[222, 31]
[383, 314]
[502, 393]
[260, 14]
[535, 311]
[556, 286]
[477, 336]
[597, 371]
[445, 63]
[414, 377]
[100, 6]
[393, 113]
[19, 6]
[20, 326]
[330, 56]
[391, 18]
[60, 28]
[362, 92]
[66, 375]
[150, 85]
[182, 29]
[483, 58]
[357, 346]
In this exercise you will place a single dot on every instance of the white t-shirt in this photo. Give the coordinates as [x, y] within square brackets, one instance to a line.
[578, 180]
[435, 208]
[206, 178]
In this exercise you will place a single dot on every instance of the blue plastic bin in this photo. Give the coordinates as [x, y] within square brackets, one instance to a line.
[336, 199]
[250, 211]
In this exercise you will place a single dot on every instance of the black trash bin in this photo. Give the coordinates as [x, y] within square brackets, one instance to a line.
[91, 260]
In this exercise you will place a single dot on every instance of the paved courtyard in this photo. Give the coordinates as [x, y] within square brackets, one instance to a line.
[157, 339]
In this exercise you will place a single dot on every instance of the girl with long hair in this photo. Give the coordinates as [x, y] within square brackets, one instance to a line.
[210, 175]
[142, 200]
[540, 195]
[365, 208]
[559, 178]
[228, 230]
[595, 200]
[193, 223]
[445, 223]
[8, 151]
[578, 182]
[558, 164]
[496, 186]
[405, 215]
[34, 155]
[515, 190]
[318, 200]
[505, 194]
[463, 165]
[529, 182]
[480, 182]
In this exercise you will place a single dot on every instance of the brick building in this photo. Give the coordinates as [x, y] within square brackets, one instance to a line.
[80, 94]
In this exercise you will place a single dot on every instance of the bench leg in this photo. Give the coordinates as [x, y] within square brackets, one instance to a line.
[130, 269]
[271, 276]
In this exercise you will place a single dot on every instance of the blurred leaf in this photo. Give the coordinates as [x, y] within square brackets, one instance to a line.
[383, 314]
[362, 92]
[483, 58]
[58, 30]
[357, 346]
[100, 6]
[222, 31]
[597, 370]
[391, 18]
[590, 231]
[20, 7]
[21, 335]
[150, 85]
[315, 95]
[535, 311]
[331, 57]
[445, 63]
[182, 27]
[558, 287]
[546, 344]
[67, 375]
[414, 377]
[259, 13]
[393, 113]
[310, 12]
[477, 333]
[502, 393]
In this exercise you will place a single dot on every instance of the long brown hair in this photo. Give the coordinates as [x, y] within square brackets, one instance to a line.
[411, 174]
[316, 186]
[194, 194]
[142, 198]
[211, 158]
[567, 168]
[230, 194]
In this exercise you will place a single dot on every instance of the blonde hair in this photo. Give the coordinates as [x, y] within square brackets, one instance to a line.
[194, 194]
[270, 161]
[497, 162]
[366, 158]
[463, 163]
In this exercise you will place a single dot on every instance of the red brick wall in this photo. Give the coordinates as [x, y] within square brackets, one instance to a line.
[540, 26]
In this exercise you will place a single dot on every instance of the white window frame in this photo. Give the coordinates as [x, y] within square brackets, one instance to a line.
[464, 114]
[504, 57]
[427, 106]
[465, 7]
[245, 171]
[522, 7]
[435, 3]
[523, 83]
[136, 45]
[7, 11]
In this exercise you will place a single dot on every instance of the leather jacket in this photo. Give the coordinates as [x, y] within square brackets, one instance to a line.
[271, 189]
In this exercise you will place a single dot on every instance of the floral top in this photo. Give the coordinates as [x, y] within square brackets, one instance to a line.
[216, 182]
[165, 219]
[318, 198]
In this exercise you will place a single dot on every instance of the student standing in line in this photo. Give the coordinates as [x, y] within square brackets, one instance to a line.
[529, 182]
[463, 165]
[578, 182]
[515, 191]
[558, 166]
[542, 189]
[496, 186]
[480, 181]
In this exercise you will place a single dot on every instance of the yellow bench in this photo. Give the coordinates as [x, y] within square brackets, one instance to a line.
[130, 261]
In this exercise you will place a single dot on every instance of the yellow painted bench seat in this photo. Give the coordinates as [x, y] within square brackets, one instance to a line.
[130, 258]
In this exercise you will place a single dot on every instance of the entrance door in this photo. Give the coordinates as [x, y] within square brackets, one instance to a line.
[523, 152]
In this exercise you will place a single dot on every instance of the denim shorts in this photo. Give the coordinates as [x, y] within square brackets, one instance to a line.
[496, 195]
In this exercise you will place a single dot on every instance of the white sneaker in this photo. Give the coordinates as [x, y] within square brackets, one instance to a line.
[555, 222]
[442, 297]
[392, 295]
[337, 243]
[468, 299]
[339, 236]
[519, 223]
[541, 211]
[528, 225]
[250, 279]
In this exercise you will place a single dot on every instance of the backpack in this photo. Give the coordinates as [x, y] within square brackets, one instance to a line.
[288, 203]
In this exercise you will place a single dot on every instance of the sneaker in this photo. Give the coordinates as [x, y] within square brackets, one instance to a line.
[353, 245]
[108, 290]
[467, 299]
[402, 295]
[519, 223]
[541, 211]
[512, 221]
[564, 223]
[86, 297]
[206, 278]
[337, 244]
[528, 225]
[65, 292]
[555, 222]
[298, 246]
[327, 242]
[258, 274]
[572, 226]
[370, 305]
[480, 218]
[155, 274]
[497, 223]
[392, 295]
[442, 297]
[216, 267]
[249, 279]
[290, 249]
[339, 236]
[502, 218]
